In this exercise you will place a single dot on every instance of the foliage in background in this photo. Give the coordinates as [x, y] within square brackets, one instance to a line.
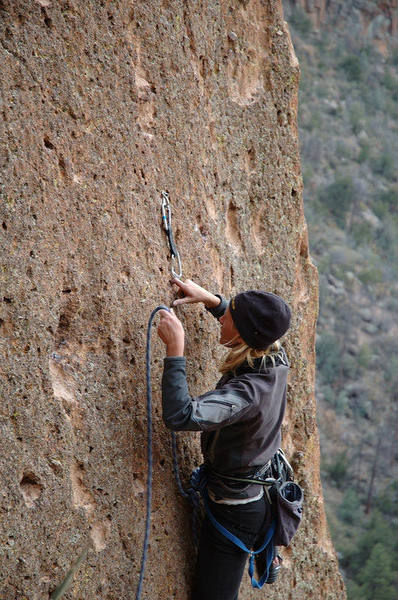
[348, 120]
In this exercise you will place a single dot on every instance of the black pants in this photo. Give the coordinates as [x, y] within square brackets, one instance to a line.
[220, 564]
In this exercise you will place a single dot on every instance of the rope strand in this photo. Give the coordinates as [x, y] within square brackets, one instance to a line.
[149, 450]
[176, 468]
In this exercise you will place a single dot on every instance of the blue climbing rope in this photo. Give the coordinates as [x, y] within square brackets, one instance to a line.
[193, 492]
[149, 444]
[176, 468]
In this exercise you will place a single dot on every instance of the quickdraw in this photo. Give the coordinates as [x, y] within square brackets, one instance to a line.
[166, 218]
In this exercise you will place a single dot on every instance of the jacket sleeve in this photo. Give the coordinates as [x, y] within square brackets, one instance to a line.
[207, 412]
[219, 310]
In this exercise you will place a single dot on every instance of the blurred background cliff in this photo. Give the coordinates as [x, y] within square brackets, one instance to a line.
[348, 122]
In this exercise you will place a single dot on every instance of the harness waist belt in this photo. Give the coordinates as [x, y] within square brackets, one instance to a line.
[257, 477]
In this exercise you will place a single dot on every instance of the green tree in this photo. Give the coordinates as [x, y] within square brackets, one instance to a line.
[377, 575]
[387, 203]
[349, 510]
[390, 80]
[352, 67]
[329, 358]
[378, 529]
[338, 198]
[384, 164]
[300, 21]
[357, 116]
[388, 499]
[337, 468]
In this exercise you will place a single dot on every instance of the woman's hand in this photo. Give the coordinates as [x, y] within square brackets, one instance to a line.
[171, 332]
[192, 292]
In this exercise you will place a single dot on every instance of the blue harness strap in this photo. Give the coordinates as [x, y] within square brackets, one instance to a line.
[198, 489]
[267, 544]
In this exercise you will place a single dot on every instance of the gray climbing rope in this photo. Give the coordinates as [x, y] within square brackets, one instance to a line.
[149, 448]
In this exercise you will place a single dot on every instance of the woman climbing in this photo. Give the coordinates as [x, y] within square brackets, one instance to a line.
[240, 421]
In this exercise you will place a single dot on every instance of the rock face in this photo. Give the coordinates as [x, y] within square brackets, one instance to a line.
[104, 105]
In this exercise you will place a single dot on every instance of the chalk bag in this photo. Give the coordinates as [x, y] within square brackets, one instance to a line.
[289, 509]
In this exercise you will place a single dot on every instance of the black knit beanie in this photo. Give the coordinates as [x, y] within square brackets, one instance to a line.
[260, 317]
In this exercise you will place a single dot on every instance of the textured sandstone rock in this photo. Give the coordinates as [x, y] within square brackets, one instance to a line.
[104, 104]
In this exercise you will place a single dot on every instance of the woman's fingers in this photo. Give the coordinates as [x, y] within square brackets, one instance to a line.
[168, 318]
[182, 287]
[185, 300]
[178, 282]
[171, 331]
[192, 292]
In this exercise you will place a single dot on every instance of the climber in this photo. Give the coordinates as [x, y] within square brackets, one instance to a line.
[240, 421]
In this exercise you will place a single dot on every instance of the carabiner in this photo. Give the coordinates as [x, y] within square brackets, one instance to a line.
[166, 207]
[166, 218]
[179, 274]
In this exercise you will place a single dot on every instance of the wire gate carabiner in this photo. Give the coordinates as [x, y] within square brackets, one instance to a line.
[166, 218]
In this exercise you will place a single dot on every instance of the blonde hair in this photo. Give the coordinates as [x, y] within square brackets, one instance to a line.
[242, 352]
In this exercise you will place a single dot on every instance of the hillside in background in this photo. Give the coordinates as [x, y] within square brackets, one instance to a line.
[348, 123]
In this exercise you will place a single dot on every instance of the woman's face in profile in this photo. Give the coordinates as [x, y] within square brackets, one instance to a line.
[229, 335]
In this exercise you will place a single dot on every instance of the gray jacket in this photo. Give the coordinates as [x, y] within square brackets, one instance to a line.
[240, 419]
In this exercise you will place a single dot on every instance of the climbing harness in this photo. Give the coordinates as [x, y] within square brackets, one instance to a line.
[285, 497]
[197, 490]
[166, 218]
[267, 545]
[277, 469]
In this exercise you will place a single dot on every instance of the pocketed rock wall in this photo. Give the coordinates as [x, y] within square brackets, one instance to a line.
[105, 104]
